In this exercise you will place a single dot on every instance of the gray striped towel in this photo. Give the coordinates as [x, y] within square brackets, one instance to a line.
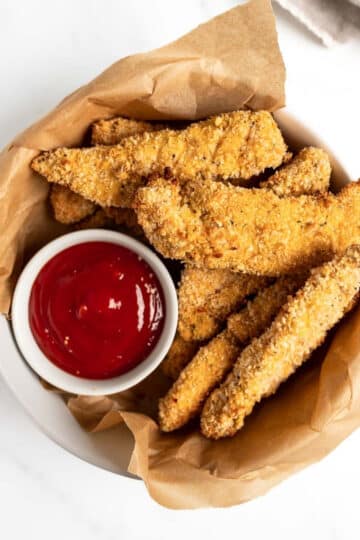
[332, 21]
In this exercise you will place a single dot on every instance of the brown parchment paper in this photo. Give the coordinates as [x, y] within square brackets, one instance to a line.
[231, 62]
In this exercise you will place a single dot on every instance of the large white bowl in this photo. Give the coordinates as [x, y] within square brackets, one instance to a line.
[49, 411]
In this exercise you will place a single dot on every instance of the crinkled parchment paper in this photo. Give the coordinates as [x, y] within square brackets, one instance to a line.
[231, 62]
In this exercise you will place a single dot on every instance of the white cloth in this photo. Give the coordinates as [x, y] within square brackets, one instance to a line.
[331, 20]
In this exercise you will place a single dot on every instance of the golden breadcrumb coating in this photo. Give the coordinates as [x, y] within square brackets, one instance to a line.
[259, 312]
[180, 354]
[185, 397]
[69, 207]
[213, 361]
[126, 218]
[97, 220]
[215, 225]
[207, 297]
[235, 145]
[299, 328]
[122, 219]
[244, 325]
[112, 131]
[308, 172]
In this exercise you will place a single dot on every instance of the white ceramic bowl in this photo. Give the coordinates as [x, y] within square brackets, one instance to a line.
[110, 450]
[37, 359]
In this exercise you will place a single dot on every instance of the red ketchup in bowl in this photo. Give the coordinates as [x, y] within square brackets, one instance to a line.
[96, 310]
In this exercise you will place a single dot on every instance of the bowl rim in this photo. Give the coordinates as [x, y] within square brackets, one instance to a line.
[30, 349]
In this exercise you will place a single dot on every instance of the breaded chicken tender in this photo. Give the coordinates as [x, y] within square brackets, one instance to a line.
[215, 225]
[69, 207]
[122, 219]
[207, 297]
[234, 146]
[125, 217]
[209, 366]
[259, 312]
[299, 328]
[188, 392]
[180, 354]
[99, 219]
[113, 130]
[308, 172]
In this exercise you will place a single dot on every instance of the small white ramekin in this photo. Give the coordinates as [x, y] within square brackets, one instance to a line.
[37, 359]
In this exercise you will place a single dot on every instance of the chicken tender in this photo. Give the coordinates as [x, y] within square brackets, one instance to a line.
[207, 297]
[113, 130]
[179, 355]
[97, 220]
[209, 366]
[122, 219]
[308, 172]
[248, 230]
[69, 207]
[259, 312]
[299, 328]
[125, 218]
[234, 146]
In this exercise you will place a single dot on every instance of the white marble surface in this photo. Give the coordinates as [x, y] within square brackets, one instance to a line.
[48, 49]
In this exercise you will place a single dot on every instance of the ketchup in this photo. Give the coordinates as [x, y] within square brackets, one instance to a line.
[96, 310]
